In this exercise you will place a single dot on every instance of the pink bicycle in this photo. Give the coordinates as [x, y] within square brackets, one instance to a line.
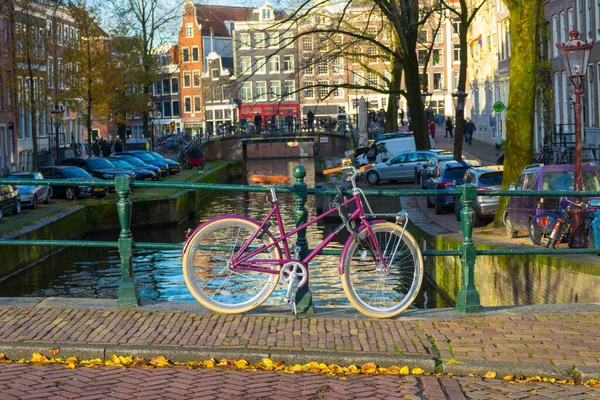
[232, 263]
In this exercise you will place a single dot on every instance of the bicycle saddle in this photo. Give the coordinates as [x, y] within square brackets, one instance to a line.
[269, 179]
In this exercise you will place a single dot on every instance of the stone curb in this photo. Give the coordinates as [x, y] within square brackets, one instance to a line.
[24, 350]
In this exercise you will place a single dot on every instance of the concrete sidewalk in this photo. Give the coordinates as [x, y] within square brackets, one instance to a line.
[559, 341]
[487, 153]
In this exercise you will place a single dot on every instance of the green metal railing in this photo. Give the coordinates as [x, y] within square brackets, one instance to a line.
[467, 296]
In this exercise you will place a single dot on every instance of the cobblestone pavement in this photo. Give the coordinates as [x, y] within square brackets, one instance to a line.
[21, 381]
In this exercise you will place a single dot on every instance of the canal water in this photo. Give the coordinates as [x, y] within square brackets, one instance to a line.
[95, 273]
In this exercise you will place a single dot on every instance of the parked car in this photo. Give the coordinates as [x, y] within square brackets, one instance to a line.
[174, 166]
[385, 136]
[10, 200]
[32, 194]
[522, 212]
[72, 173]
[445, 175]
[98, 167]
[442, 155]
[148, 159]
[141, 174]
[483, 178]
[403, 167]
[394, 147]
[136, 162]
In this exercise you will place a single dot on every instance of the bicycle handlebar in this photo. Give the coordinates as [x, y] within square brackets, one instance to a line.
[350, 168]
[332, 170]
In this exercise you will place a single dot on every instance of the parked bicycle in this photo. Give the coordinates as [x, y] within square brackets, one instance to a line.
[558, 224]
[232, 263]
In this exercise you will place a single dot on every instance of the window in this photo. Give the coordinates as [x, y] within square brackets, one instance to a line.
[165, 86]
[273, 39]
[174, 85]
[187, 104]
[246, 91]
[214, 73]
[307, 43]
[189, 29]
[422, 58]
[259, 40]
[185, 53]
[274, 64]
[197, 106]
[289, 90]
[166, 109]
[196, 81]
[275, 90]
[288, 39]
[439, 37]
[309, 91]
[309, 69]
[244, 40]
[338, 91]
[260, 65]
[260, 91]
[323, 89]
[50, 72]
[422, 36]
[288, 63]
[266, 14]
[457, 53]
[322, 67]
[456, 25]
[372, 52]
[59, 29]
[424, 81]
[372, 31]
[337, 66]
[245, 64]
[357, 79]
[372, 79]
[195, 56]
[186, 79]
[437, 57]
[438, 81]
[175, 108]
[338, 40]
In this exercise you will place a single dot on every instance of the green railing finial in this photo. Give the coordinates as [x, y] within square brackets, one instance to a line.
[467, 298]
[304, 303]
[128, 293]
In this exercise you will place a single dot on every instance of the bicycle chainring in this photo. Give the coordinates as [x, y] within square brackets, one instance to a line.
[290, 269]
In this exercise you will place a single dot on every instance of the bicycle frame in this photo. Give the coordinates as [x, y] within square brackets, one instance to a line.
[240, 258]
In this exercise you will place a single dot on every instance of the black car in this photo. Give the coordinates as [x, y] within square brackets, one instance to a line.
[141, 174]
[72, 173]
[98, 167]
[148, 159]
[136, 162]
[10, 202]
[173, 165]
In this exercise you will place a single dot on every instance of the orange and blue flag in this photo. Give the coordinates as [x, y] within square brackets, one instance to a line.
[476, 40]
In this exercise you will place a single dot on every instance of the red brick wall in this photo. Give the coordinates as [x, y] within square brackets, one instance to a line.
[189, 16]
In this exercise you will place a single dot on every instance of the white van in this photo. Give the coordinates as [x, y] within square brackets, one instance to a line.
[394, 146]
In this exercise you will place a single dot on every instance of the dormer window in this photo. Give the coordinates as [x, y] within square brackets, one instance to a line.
[266, 13]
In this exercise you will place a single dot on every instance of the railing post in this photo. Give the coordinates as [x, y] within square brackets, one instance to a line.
[304, 303]
[467, 299]
[128, 293]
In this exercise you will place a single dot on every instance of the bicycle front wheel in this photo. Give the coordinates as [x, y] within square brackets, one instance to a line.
[211, 278]
[379, 293]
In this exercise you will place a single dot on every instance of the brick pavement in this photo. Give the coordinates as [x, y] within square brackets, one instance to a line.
[21, 381]
[552, 343]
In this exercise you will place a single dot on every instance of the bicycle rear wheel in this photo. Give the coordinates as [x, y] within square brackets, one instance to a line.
[377, 293]
[208, 272]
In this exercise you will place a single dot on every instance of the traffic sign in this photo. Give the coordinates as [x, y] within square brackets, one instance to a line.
[498, 106]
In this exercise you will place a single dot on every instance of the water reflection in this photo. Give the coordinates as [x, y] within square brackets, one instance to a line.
[95, 273]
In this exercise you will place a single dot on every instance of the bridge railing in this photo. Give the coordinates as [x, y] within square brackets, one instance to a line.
[467, 296]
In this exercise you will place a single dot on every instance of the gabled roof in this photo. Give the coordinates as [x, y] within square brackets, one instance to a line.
[211, 16]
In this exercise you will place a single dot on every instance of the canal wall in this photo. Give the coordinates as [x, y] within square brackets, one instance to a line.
[77, 221]
[510, 280]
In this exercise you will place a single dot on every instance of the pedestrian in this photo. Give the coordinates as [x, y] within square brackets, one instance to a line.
[273, 124]
[311, 121]
[402, 117]
[289, 120]
[382, 152]
[372, 154]
[243, 124]
[106, 148]
[449, 128]
[432, 129]
[118, 145]
[96, 148]
[258, 122]
[409, 125]
[469, 129]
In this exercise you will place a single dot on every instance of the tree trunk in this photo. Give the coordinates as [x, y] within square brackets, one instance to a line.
[521, 101]
[391, 120]
[415, 104]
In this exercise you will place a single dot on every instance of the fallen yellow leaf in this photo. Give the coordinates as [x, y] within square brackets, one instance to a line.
[490, 375]
[54, 351]
[417, 371]
[404, 370]
[509, 377]
[160, 361]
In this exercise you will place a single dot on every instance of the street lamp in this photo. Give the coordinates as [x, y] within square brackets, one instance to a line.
[57, 117]
[575, 55]
[458, 100]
